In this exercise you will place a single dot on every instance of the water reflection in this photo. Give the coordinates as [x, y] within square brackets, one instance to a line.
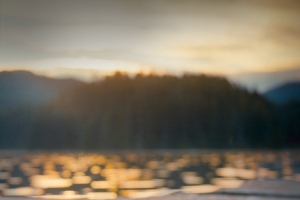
[141, 174]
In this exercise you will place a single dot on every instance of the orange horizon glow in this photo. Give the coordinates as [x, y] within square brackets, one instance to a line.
[96, 38]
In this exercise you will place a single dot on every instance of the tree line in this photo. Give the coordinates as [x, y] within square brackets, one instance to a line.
[149, 112]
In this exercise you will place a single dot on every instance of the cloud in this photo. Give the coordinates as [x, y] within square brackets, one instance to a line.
[282, 5]
[284, 35]
[263, 81]
[229, 36]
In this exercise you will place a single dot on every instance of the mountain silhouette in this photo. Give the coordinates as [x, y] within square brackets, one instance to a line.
[284, 93]
[23, 87]
[141, 112]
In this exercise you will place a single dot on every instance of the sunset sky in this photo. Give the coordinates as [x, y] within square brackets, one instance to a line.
[240, 39]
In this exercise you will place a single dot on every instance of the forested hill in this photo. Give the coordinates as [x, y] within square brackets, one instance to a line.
[285, 93]
[145, 112]
[23, 87]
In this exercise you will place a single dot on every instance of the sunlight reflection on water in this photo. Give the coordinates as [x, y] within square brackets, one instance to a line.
[71, 175]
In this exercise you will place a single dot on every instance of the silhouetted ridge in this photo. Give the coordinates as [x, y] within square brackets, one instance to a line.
[151, 112]
[146, 112]
[23, 87]
[284, 93]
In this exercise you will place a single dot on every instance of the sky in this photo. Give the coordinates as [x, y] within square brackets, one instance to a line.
[253, 42]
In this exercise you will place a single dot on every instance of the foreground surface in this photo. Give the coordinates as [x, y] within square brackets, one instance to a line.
[150, 174]
[251, 190]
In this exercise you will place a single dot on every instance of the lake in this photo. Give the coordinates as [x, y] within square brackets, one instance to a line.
[108, 174]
